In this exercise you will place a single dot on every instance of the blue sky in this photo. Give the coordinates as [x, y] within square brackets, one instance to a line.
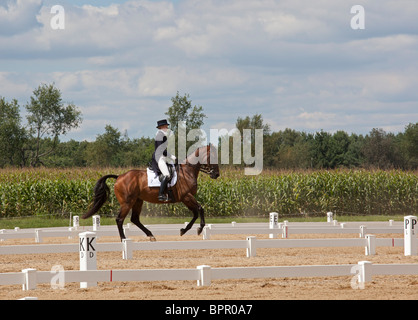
[297, 62]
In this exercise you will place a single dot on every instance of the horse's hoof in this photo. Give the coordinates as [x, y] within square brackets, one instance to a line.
[182, 231]
[152, 239]
[199, 231]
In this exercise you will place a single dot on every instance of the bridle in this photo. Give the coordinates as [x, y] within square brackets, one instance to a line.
[206, 168]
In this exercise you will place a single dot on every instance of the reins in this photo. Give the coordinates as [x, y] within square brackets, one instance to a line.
[205, 168]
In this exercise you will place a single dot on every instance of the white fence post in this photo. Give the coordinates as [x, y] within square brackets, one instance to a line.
[329, 216]
[38, 235]
[206, 233]
[96, 222]
[127, 249]
[410, 235]
[88, 258]
[71, 229]
[252, 248]
[76, 222]
[274, 223]
[371, 244]
[285, 232]
[204, 275]
[30, 279]
[127, 229]
[363, 230]
[365, 272]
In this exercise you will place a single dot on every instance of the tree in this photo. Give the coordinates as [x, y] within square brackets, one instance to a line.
[294, 150]
[12, 134]
[354, 155]
[182, 110]
[338, 148]
[255, 122]
[106, 149]
[320, 146]
[410, 145]
[49, 117]
[381, 151]
[137, 152]
[251, 148]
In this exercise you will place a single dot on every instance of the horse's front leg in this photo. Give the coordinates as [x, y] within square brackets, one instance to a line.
[197, 209]
[202, 220]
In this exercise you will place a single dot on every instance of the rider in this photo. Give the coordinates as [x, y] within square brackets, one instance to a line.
[161, 156]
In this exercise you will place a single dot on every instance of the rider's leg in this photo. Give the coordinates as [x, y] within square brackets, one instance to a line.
[166, 175]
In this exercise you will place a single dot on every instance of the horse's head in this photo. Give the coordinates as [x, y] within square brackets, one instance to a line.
[212, 161]
[207, 157]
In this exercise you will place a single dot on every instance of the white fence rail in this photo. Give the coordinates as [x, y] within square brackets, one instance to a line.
[282, 229]
[364, 270]
[370, 242]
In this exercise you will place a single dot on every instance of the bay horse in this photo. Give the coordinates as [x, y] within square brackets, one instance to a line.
[131, 190]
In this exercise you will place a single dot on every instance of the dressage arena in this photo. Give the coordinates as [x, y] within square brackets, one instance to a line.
[387, 252]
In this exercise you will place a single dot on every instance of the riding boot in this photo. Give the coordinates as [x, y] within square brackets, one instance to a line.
[161, 195]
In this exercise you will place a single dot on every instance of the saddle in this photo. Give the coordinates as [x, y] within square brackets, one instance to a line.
[154, 180]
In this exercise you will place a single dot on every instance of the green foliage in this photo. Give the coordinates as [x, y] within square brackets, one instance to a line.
[182, 110]
[12, 135]
[183, 118]
[364, 192]
[48, 116]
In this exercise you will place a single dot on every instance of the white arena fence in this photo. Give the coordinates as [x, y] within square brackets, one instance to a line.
[127, 246]
[369, 241]
[273, 229]
[361, 272]
[88, 275]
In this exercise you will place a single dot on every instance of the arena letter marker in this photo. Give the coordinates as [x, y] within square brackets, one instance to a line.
[88, 256]
[410, 235]
[274, 223]
[96, 222]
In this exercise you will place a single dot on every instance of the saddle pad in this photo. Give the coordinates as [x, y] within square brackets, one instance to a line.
[154, 181]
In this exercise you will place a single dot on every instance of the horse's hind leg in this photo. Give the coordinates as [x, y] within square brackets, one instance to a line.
[136, 211]
[123, 212]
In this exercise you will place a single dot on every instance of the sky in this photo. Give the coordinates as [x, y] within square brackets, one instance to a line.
[298, 63]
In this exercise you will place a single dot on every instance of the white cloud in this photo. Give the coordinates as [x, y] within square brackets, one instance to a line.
[165, 81]
[296, 62]
[17, 16]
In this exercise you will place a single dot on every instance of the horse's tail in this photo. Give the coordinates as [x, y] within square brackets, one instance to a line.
[101, 194]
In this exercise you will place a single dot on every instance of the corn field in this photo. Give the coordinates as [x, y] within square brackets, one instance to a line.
[29, 192]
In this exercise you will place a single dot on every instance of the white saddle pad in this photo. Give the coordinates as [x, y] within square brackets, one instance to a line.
[153, 180]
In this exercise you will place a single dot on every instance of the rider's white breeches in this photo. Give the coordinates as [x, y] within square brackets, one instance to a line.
[162, 164]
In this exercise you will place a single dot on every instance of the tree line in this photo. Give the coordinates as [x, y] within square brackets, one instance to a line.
[48, 117]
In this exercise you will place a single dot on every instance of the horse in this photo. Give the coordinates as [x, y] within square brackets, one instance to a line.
[131, 190]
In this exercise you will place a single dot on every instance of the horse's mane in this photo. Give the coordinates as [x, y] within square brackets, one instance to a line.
[194, 153]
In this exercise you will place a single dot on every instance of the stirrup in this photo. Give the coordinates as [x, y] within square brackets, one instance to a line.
[163, 198]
